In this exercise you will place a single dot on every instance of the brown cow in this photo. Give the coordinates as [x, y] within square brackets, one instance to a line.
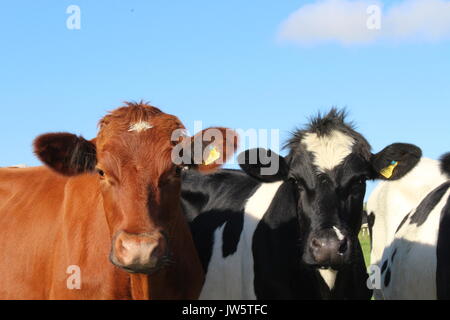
[105, 221]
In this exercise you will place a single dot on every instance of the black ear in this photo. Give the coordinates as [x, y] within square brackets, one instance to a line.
[66, 153]
[445, 164]
[395, 161]
[264, 165]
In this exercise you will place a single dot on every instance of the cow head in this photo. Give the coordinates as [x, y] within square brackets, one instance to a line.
[138, 156]
[328, 165]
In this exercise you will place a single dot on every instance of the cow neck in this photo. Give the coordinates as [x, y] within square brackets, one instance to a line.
[179, 279]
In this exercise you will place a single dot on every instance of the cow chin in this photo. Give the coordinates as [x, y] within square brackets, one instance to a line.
[148, 269]
[325, 252]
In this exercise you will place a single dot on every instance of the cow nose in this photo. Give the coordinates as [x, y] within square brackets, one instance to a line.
[139, 253]
[329, 252]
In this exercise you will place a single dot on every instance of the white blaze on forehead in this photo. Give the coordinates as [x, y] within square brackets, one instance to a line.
[329, 276]
[330, 150]
[339, 234]
[140, 126]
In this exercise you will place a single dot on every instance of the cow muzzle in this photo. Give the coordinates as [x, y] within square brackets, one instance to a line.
[140, 253]
[329, 248]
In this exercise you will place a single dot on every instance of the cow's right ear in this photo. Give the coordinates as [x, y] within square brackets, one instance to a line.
[66, 153]
[264, 165]
[395, 161]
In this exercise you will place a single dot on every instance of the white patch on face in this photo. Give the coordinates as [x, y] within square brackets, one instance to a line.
[339, 234]
[140, 126]
[329, 276]
[329, 151]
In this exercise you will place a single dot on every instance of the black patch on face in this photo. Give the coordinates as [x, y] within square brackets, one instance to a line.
[387, 278]
[443, 255]
[428, 204]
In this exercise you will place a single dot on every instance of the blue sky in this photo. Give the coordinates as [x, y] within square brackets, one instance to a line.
[221, 62]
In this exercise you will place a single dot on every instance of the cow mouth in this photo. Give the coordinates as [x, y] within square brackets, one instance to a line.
[331, 266]
[164, 262]
[337, 265]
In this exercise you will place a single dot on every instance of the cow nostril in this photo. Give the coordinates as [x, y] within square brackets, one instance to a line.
[343, 247]
[317, 244]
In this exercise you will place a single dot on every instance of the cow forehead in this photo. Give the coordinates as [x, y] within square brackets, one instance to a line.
[140, 126]
[329, 150]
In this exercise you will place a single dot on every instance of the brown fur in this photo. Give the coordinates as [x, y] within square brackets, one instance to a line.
[50, 221]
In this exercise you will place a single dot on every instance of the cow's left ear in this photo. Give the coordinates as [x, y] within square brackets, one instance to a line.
[66, 153]
[395, 161]
[207, 150]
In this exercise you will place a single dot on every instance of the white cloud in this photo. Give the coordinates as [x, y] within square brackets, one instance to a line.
[345, 22]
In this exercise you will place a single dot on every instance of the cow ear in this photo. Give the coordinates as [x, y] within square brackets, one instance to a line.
[395, 161]
[208, 149]
[66, 153]
[264, 165]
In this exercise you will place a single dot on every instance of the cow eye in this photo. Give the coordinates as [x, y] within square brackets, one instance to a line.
[100, 172]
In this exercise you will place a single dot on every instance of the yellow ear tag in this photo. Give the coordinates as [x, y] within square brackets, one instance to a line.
[389, 171]
[213, 156]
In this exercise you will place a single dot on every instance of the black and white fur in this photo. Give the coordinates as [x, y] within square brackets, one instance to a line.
[415, 264]
[292, 235]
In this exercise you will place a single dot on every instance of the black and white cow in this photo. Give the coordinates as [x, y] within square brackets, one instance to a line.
[416, 263]
[391, 201]
[292, 234]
